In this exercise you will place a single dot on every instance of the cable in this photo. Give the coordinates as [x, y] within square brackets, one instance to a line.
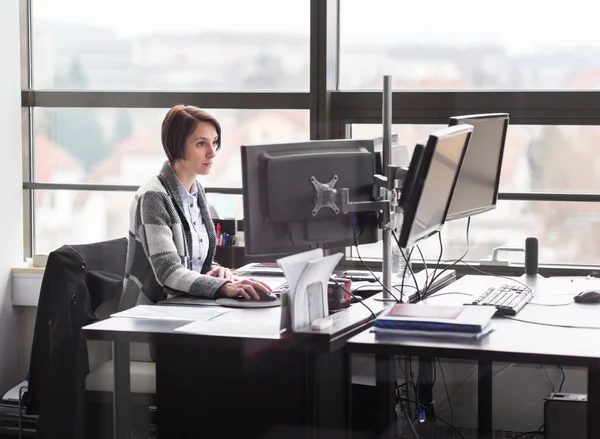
[563, 379]
[526, 433]
[548, 378]
[556, 325]
[425, 268]
[408, 265]
[412, 427]
[497, 276]
[462, 256]
[352, 295]
[476, 391]
[459, 386]
[441, 419]
[437, 266]
[450, 293]
[551, 304]
[447, 394]
[367, 267]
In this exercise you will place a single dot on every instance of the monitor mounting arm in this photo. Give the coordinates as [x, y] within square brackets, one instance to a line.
[385, 196]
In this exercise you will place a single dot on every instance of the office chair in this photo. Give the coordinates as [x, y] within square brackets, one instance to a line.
[70, 385]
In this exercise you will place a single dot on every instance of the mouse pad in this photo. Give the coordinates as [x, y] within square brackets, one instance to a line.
[246, 303]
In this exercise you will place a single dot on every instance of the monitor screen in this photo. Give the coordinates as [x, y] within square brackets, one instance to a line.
[280, 181]
[477, 184]
[425, 204]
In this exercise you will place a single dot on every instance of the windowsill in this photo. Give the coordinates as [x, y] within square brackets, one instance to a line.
[26, 285]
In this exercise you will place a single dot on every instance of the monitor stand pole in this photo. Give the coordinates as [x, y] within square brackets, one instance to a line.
[387, 154]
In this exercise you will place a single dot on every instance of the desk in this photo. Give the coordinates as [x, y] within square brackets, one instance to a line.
[206, 383]
[511, 341]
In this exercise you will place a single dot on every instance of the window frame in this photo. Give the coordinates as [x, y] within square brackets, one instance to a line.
[331, 111]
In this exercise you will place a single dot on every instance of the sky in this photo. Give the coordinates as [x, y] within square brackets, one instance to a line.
[517, 25]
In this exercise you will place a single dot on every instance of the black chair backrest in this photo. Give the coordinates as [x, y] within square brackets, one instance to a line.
[78, 281]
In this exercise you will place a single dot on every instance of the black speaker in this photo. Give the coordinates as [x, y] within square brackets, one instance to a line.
[531, 256]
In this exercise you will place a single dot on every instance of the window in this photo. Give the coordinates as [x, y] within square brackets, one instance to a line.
[122, 146]
[553, 223]
[102, 74]
[80, 217]
[178, 45]
[467, 44]
[536, 159]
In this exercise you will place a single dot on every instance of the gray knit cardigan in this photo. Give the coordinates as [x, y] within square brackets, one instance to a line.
[159, 245]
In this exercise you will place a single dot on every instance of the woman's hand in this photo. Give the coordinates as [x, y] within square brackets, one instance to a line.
[247, 288]
[222, 273]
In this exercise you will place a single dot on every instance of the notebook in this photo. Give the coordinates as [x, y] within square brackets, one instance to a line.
[417, 317]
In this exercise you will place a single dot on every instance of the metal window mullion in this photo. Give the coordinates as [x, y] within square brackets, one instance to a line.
[165, 99]
[435, 107]
[26, 51]
[112, 188]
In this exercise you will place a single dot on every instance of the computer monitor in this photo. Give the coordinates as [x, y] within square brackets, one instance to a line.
[432, 178]
[477, 184]
[280, 185]
[399, 155]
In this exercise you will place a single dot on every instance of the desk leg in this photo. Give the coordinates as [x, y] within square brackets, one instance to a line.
[593, 404]
[330, 393]
[385, 376]
[484, 400]
[122, 391]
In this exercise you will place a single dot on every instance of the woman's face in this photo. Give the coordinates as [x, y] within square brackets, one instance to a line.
[201, 148]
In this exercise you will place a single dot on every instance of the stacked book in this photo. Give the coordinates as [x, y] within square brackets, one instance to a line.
[436, 320]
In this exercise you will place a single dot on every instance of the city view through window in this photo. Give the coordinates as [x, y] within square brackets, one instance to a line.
[190, 45]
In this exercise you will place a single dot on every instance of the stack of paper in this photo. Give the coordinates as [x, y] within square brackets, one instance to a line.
[308, 275]
[260, 269]
[421, 319]
[165, 312]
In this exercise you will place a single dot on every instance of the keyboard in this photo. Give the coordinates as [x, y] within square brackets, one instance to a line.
[508, 299]
[280, 289]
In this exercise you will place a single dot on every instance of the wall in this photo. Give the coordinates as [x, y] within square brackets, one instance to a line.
[11, 221]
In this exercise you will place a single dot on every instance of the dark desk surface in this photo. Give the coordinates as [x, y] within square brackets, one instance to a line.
[242, 325]
[511, 340]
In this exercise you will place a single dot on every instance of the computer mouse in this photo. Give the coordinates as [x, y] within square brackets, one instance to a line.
[589, 296]
[263, 296]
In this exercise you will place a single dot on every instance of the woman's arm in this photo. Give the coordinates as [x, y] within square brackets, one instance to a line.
[158, 242]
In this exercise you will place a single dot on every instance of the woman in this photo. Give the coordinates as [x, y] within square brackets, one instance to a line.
[172, 240]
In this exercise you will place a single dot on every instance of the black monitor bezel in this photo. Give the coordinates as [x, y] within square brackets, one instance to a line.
[461, 120]
[413, 171]
[410, 199]
[253, 249]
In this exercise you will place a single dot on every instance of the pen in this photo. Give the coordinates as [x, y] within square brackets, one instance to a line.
[218, 231]
[225, 238]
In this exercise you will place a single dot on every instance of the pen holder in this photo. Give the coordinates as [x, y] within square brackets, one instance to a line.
[337, 294]
[231, 257]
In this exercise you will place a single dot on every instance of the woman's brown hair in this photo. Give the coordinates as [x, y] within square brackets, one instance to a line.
[178, 124]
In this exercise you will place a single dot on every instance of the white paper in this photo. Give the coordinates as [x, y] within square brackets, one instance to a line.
[256, 268]
[308, 276]
[165, 312]
[293, 265]
[216, 327]
[272, 281]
